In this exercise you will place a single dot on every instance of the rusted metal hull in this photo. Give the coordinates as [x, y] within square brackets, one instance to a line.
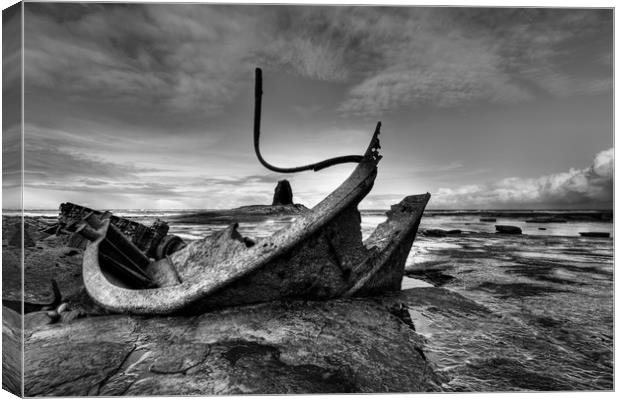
[320, 255]
[153, 240]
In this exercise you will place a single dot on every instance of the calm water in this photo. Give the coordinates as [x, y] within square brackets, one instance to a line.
[531, 312]
[370, 219]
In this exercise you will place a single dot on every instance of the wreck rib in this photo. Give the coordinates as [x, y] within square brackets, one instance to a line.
[295, 262]
[258, 93]
[174, 298]
[319, 256]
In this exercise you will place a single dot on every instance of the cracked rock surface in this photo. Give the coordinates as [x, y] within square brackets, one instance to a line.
[360, 345]
[279, 347]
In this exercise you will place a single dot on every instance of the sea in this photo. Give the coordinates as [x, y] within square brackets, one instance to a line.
[463, 220]
[498, 313]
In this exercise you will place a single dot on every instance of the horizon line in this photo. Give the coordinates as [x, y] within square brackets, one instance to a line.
[363, 209]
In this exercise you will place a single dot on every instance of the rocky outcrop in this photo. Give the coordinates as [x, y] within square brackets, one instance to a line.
[61, 264]
[599, 234]
[440, 232]
[271, 348]
[16, 236]
[551, 219]
[11, 351]
[604, 215]
[75, 348]
[505, 229]
[283, 194]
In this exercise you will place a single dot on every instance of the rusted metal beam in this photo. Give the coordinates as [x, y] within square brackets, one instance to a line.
[153, 240]
[258, 93]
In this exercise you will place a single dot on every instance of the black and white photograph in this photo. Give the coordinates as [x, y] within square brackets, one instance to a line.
[205, 199]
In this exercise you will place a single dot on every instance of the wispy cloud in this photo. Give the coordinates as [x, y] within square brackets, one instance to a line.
[11, 148]
[160, 193]
[191, 57]
[180, 57]
[562, 85]
[11, 106]
[450, 57]
[58, 170]
[11, 48]
[591, 187]
[308, 57]
[49, 163]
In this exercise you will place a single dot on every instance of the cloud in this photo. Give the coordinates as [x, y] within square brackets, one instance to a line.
[93, 166]
[591, 187]
[451, 57]
[11, 148]
[454, 73]
[187, 57]
[57, 171]
[154, 192]
[179, 57]
[562, 85]
[11, 49]
[309, 57]
[11, 106]
[45, 162]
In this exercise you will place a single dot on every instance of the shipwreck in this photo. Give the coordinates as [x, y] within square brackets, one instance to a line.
[321, 255]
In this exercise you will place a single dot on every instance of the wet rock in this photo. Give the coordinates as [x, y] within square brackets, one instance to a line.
[11, 351]
[12, 279]
[16, 237]
[71, 252]
[516, 290]
[434, 233]
[34, 320]
[505, 229]
[70, 315]
[511, 372]
[50, 230]
[599, 234]
[41, 267]
[551, 219]
[441, 299]
[435, 277]
[584, 216]
[547, 270]
[283, 194]
[271, 348]
[440, 232]
[547, 322]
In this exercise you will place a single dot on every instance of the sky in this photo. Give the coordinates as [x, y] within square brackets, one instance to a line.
[151, 105]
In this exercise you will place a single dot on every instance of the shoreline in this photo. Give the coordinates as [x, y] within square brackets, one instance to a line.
[520, 289]
[253, 213]
[581, 215]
